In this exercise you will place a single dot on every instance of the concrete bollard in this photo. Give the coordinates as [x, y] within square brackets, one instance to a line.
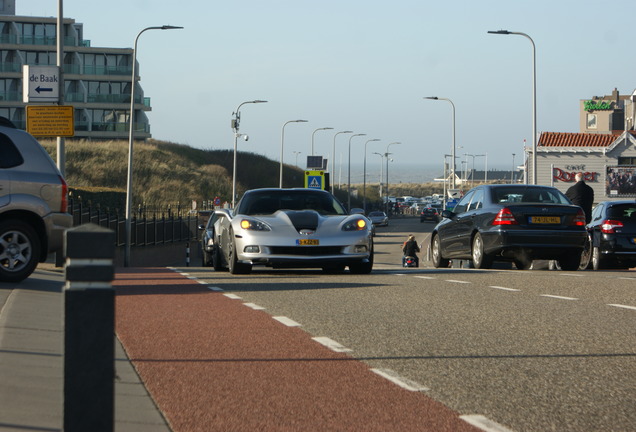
[89, 328]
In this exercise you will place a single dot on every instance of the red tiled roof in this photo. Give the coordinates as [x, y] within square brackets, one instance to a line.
[567, 139]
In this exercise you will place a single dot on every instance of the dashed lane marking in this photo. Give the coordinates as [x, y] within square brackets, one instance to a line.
[254, 306]
[623, 306]
[484, 423]
[457, 281]
[331, 344]
[288, 322]
[425, 277]
[504, 288]
[232, 296]
[558, 297]
[405, 383]
[215, 288]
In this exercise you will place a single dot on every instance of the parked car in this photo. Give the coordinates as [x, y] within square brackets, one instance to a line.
[430, 214]
[33, 204]
[291, 228]
[518, 223]
[378, 218]
[613, 235]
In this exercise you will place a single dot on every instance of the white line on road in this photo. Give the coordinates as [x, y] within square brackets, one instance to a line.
[457, 281]
[214, 288]
[288, 322]
[232, 296]
[484, 423]
[202, 282]
[623, 306]
[405, 383]
[558, 297]
[504, 288]
[254, 306]
[572, 274]
[425, 277]
[331, 344]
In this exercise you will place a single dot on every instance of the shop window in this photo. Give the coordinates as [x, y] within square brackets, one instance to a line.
[591, 121]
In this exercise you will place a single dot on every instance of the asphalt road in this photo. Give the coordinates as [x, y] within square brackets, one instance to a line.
[530, 350]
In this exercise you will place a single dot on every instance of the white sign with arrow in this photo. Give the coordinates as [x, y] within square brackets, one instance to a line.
[40, 83]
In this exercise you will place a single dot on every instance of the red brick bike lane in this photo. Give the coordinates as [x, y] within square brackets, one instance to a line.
[213, 364]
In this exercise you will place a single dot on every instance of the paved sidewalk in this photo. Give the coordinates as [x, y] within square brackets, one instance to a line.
[31, 363]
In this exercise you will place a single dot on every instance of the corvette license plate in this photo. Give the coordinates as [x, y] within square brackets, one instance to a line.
[545, 219]
[307, 242]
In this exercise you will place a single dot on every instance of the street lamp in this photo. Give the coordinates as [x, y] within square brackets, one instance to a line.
[485, 156]
[512, 173]
[312, 137]
[296, 153]
[364, 177]
[381, 172]
[534, 98]
[454, 144]
[387, 173]
[235, 125]
[332, 164]
[131, 137]
[472, 169]
[349, 172]
[282, 145]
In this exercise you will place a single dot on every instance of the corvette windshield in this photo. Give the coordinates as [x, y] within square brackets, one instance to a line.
[270, 201]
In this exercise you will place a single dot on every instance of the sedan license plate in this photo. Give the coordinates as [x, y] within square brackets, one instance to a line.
[307, 242]
[545, 219]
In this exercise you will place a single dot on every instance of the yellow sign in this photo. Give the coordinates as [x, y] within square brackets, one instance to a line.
[315, 179]
[51, 120]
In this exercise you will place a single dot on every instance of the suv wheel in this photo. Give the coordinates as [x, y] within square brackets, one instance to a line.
[19, 250]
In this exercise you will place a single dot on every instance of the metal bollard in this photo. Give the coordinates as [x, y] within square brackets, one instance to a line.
[188, 254]
[89, 328]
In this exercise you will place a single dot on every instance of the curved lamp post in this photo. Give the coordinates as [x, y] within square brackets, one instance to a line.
[312, 137]
[454, 143]
[282, 145]
[131, 137]
[235, 126]
[381, 172]
[332, 164]
[349, 172]
[364, 177]
[534, 98]
[387, 173]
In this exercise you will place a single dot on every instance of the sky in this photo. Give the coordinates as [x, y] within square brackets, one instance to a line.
[366, 66]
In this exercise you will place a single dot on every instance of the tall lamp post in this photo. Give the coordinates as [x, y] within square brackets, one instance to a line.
[454, 143]
[364, 176]
[282, 145]
[349, 172]
[381, 172]
[131, 137]
[235, 125]
[534, 98]
[472, 169]
[296, 153]
[332, 164]
[485, 155]
[312, 137]
[387, 174]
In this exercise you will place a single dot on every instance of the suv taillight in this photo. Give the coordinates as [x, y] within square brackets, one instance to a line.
[505, 217]
[579, 219]
[609, 226]
[64, 200]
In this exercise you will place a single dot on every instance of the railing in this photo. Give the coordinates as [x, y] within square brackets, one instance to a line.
[175, 227]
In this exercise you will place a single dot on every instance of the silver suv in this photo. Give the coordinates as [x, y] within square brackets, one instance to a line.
[33, 204]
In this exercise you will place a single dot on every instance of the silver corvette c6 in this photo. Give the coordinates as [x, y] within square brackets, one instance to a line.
[290, 228]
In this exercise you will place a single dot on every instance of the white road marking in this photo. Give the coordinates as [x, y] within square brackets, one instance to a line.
[331, 344]
[558, 297]
[572, 274]
[425, 277]
[457, 281]
[484, 423]
[405, 383]
[288, 322]
[504, 288]
[232, 296]
[623, 306]
[626, 278]
[213, 288]
[254, 306]
[202, 282]
[191, 277]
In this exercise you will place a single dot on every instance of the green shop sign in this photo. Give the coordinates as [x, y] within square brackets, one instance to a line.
[593, 106]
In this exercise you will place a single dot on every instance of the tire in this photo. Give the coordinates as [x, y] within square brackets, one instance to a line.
[480, 259]
[598, 263]
[217, 261]
[586, 255]
[205, 259]
[362, 267]
[570, 261]
[235, 266]
[436, 254]
[523, 263]
[19, 250]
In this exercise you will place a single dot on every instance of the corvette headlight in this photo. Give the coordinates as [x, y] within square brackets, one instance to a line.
[250, 224]
[355, 225]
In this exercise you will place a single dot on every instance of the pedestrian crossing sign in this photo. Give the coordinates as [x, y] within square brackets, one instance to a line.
[315, 179]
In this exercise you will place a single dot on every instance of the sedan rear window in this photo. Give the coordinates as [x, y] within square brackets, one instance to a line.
[523, 194]
[622, 211]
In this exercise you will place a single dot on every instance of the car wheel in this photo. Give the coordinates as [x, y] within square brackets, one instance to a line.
[235, 266]
[480, 259]
[436, 254]
[523, 263]
[205, 259]
[217, 262]
[597, 260]
[570, 261]
[19, 251]
[586, 255]
[362, 267]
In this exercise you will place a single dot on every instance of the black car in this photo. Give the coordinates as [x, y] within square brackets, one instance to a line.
[430, 214]
[518, 223]
[613, 235]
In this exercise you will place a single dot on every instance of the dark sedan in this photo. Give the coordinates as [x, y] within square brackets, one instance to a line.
[518, 223]
[430, 214]
[613, 235]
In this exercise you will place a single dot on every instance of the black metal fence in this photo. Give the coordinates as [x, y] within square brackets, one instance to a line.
[171, 226]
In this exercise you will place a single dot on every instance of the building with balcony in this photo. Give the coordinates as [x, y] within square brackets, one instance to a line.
[95, 81]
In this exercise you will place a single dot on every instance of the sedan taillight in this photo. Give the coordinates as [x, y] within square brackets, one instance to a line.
[64, 198]
[579, 219]
[609, 226]
[505, 217]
